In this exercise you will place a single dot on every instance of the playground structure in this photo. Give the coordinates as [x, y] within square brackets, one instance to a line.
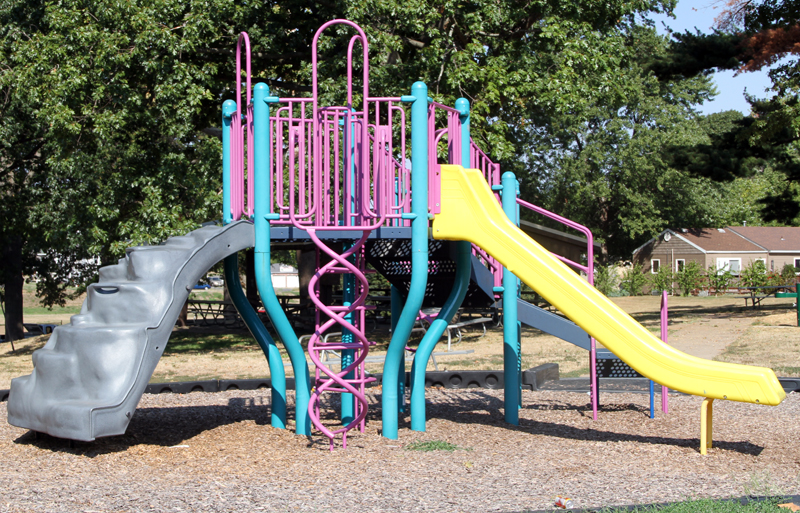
[339, 176]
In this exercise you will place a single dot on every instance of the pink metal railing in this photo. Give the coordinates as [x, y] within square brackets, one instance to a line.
[242, 130]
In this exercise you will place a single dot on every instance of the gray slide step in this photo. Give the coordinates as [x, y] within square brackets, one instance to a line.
[88, 379]
[553, 324]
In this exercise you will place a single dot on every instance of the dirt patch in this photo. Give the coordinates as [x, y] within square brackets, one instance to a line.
[711, 327]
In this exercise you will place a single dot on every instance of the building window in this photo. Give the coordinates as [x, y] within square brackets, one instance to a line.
[655, 264]
[734, 265]
[680, 263]
[797, 264]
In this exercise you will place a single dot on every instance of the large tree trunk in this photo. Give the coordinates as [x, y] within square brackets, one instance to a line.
[13, 281]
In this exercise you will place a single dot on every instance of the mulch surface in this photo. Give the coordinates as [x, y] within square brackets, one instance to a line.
[217, 452]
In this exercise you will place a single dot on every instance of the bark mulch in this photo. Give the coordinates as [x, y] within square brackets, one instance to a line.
[217, 452]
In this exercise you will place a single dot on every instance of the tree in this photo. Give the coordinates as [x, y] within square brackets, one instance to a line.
[771, 31]
[108, 106]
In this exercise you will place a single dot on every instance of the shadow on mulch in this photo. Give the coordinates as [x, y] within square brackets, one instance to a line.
[488, 411]
[174, 425]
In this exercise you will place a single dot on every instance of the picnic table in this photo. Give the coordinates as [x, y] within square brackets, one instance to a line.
[755, 295]
[427, 315]
[209, 313]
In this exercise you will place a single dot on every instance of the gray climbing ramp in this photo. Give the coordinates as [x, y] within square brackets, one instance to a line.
[89, 377]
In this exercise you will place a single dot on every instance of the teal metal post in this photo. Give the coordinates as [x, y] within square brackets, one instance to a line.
[243, 306]
[434, 333]
[454, 300]
[462, 106]
[397, 308]
[511, 352]
[348, 409]
[419, 258]
[348, 404]
[277, 373]
[261, 218]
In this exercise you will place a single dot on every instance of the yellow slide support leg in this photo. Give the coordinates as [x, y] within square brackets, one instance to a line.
[706, 424]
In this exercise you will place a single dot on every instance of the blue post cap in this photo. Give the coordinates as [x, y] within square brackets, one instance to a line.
[508, 175]
[462, 106]
[228, 108]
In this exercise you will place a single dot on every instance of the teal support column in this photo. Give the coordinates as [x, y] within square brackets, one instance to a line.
[277, 373]
[511, 353]
[243, 306]
[435, 331]
[462, 106]
[419, 257]
[228, 109]
[348, 407]
[261, 217]
[398, 301]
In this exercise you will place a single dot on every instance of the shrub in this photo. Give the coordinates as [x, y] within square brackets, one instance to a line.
[690, 278]
[719, 279]
[754, 275]
[634, 280]
[662, 280]
[788, 274]
[605, 278]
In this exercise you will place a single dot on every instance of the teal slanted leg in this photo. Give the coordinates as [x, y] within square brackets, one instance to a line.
[435, 331]
[511, 352]
[397, 307]
[261, 217]
[419, 259]
[265, 341]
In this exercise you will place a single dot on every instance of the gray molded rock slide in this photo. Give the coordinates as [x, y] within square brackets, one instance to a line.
[89, 377]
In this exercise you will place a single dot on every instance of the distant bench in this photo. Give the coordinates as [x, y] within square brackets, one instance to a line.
[759, 294]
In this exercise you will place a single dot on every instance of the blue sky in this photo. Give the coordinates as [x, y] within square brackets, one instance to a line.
[700, 14]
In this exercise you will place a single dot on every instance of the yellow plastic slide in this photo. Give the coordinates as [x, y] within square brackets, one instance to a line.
[470, 212]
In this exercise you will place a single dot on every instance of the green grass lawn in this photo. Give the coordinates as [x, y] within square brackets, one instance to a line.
[708, 506]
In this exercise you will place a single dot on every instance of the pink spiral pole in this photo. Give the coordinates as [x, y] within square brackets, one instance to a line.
[328, 380]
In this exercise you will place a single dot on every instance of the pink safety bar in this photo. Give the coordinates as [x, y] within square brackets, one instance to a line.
[242, 129]
[589, 270]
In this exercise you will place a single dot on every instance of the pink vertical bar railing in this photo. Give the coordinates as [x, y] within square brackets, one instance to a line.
[664, 335]
[242, 128]
[451, 130]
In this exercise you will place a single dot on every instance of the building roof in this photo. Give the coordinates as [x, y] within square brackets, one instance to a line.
[773, 238]
[716, 239]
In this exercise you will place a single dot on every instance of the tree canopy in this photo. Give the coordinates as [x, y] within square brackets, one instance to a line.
[111, 109]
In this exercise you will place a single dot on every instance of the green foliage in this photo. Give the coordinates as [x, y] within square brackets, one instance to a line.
[662, 279]
[634, 280]
[788, 274]
[690, 278]
[754, 274]
[605, 278]
[431, 445]
[719, 279]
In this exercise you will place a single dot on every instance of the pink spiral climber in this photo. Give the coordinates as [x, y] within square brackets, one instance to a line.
[326, 379]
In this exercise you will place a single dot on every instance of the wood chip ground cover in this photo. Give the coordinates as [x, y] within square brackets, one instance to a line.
[217, 452]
